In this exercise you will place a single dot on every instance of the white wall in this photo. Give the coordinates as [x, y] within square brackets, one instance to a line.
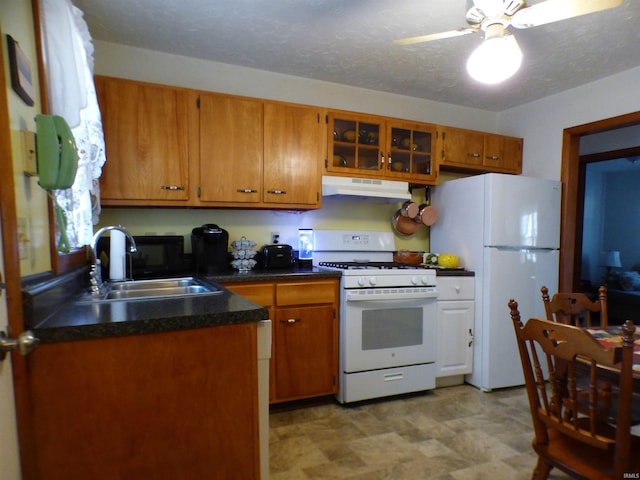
[542, 122]
[31, 200]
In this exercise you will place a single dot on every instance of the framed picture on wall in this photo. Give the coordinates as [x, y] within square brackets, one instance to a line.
[20, 68]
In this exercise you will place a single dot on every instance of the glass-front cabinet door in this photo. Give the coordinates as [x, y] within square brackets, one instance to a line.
[355, 144]
[411, 151]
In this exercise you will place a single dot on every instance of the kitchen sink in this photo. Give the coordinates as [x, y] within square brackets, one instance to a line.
[157, 283]
[152, 289]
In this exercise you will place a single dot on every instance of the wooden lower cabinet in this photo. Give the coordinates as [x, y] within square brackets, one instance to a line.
[171, 405]
[304, 359]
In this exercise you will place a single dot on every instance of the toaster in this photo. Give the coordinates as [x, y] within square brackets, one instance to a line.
[277, 256]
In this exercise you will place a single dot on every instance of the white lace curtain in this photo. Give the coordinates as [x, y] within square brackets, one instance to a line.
[68, 60]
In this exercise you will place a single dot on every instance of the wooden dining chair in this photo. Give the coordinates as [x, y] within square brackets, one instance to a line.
[575, 440]
[570, 307]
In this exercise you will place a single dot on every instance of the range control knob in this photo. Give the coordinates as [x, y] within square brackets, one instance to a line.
[425, 280]
[361, 281]
[414, 280]
[373, 281]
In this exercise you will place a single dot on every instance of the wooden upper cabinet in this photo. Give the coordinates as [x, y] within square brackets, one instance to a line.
[411, 152]
[147, 143]
[462, 147]
[472, 150]
[503, 154]
[293, 153]
[356, 144]
[378, 147]
[230, 149]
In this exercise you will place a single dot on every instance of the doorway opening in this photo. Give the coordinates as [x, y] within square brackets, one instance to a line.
[573, 177]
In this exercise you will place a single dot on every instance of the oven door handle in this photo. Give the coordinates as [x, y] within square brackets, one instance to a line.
[354, 296]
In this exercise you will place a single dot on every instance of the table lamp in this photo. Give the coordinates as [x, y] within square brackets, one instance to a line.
[611, 260]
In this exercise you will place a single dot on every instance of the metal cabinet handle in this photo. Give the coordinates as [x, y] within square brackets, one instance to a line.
[290, 321]
[246, 190]
[171, 187]
[24, 343]
[474, 155]
[493, 157]
[277, 192]
[470, 341]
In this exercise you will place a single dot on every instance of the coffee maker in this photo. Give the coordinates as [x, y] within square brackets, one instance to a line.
[209, 244]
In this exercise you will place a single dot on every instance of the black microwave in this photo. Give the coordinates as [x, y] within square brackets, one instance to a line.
[156, 256]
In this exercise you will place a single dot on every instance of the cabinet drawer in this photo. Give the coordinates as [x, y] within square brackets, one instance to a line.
[306, 293]
[456, 288]
[262, 294]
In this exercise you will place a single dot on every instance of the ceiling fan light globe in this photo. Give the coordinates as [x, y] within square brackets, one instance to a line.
[495, 60]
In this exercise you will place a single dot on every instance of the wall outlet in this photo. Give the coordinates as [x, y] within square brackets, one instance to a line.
[275, 237]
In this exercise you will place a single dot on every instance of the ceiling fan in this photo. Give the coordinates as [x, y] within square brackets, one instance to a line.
[499, 56]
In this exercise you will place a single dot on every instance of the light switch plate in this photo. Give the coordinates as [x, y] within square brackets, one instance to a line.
[29, 153]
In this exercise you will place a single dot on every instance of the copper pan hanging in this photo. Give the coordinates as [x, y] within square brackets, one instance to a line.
[402, 225]
[427, 213]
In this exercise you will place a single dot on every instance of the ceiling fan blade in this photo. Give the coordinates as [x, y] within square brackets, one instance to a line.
[556, 10]
[436, 36]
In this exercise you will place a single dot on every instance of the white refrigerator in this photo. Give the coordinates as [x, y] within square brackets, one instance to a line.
[505, 228]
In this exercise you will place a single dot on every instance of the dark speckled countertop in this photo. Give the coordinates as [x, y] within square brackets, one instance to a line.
[271, 275]
[54, 315]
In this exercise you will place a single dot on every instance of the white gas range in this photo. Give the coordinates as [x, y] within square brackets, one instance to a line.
[387, 315]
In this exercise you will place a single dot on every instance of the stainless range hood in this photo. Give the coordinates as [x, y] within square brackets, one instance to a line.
[365, 187]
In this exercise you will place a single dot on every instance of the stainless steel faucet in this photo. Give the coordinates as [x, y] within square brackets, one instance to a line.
[95, 275]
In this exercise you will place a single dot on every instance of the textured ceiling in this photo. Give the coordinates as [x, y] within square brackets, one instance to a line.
[350, 42]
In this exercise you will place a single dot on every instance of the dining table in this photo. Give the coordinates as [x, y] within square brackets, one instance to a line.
[611, 337]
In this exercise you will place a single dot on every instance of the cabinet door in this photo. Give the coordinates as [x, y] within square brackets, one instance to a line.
[230, 149]
[411, 152]
[162, 406]
[463, 148]
[356, 144]
[455, 338]
[293, 153]
[502, 154]
[146, 136]
[306, 362]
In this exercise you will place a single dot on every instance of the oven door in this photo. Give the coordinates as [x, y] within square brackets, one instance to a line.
[383, 329]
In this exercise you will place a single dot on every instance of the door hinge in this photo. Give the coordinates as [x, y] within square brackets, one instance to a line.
[198, 102]
[198, 191]
[326, 119]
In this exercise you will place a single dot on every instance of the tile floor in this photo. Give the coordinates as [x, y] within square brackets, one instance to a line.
[452, 433]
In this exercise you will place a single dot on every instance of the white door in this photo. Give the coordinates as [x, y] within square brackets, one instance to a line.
[508, 274]
[521, 211]
[9, 462]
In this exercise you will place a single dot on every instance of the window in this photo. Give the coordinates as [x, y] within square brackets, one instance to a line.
[67, 58]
